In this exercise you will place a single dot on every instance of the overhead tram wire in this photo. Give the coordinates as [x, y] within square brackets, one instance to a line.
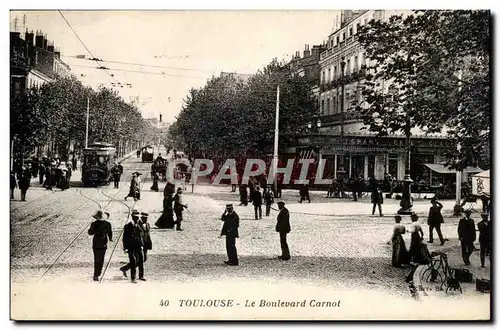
[88, 50]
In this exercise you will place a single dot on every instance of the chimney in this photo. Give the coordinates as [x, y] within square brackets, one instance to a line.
[29, 36]
[45, 42]
[307, 52]
[50, 47]
[57, 52]
[39, 40]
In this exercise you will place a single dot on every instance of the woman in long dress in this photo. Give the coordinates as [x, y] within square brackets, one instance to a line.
[135, 186]
[419, 254]
[399, 252]
[166, 220]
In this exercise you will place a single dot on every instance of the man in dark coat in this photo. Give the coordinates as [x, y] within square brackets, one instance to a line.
[467, 236]
[230, 230]
[243, 195]
[269, 200]
[24, 183]
[116, 173]
[179, 207]
[101, 230]
[13, 184]
[304, 193]
[41, 172]
[283, 227]
[133, 242]
[257, 203]
[484, 238]
[377, 200]
[148, 244]
[435, 219]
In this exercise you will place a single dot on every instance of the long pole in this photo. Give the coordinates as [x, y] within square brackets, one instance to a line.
[276, 137]
[457, 209]
[87, 125]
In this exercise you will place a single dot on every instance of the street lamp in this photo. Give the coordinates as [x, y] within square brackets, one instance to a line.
[341, 171]
[406, 203]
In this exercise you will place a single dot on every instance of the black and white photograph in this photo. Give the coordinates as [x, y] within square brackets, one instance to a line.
[293, 165]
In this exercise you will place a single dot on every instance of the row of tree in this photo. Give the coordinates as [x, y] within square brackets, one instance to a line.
[55, 114]
[435, 69]
[228, 117]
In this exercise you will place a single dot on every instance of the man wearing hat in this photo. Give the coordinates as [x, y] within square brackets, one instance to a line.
[283, 227]
[133, 242]
[484, 237]
[148, 244]
[101, 230]
[230, 230]
[435, 220]
[467, 236]
[179, 207]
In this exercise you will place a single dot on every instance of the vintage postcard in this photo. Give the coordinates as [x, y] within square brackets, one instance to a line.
[250, 165]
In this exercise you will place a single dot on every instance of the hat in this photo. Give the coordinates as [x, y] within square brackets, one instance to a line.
[98, 215]
[280, 202]
[136, 173]
[179, 189]
[433, 199]
[135, 213]
[144, 214]
[229, 205]
[469, 211]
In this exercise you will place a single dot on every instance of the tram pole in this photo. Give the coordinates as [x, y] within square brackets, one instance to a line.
[87, 125]
[276, 137]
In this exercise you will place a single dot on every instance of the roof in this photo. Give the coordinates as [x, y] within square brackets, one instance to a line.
[439, 168]
[485, 174]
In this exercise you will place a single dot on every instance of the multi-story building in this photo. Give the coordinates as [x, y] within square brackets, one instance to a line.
[34, 61]
[360, 151]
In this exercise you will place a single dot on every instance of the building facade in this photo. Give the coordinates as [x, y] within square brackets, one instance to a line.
[358, 151]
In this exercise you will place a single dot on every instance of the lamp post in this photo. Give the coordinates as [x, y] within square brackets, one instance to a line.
[341, 171]
[406, 203]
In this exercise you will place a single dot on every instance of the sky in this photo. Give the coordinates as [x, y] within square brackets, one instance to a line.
[178, 50]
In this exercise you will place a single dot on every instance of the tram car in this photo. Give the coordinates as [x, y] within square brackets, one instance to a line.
[98, 159]
[148, 154]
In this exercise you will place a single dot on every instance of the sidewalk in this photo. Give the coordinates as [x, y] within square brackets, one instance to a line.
[427, 291]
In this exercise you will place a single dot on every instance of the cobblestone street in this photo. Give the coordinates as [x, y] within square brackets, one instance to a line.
[335, 245]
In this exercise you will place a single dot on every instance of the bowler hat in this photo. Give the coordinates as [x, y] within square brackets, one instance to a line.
[280, 203]
[135, 212]
[144, 214]
[99, 215]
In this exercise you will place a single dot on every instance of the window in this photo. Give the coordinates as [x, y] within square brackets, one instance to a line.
[323, 77]
[357, 27]
[348, 66]
[338, 40]
[350, 31]
[355, 63]
[331, 43]
[328, 106]
[334, 105]
[323, 106]
[343, 36]
[335, 71]
[329, 74]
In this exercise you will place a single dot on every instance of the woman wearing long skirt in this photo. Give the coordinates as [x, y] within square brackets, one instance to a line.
[399, 252]
[135, 187]
[419, 253]
[166, 220]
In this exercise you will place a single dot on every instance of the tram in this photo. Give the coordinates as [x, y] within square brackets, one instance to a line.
[148, 153]
[98, 159]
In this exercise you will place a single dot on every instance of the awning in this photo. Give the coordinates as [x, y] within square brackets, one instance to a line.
[485, 174]
[439, 168]
[481, 184]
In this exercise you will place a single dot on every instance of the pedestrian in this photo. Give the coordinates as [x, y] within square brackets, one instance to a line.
[435, 220]
[133, 242]
[304, 193]
[101, 230]
[230, 230]
[179, 207]
[417, 235]
[41, 172]
[74, 162]
[138, 153]
[377, 200]
[156, 179]
[116, 174]
[13, 184]
[283, 228]
[257, 203]
[166, 220]
[399, 251]
[135, 187]
[24, 183]
[467, 236]
[34, 167]
[243, 195]
[148, 244]
[269, 200]
[484, 238]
